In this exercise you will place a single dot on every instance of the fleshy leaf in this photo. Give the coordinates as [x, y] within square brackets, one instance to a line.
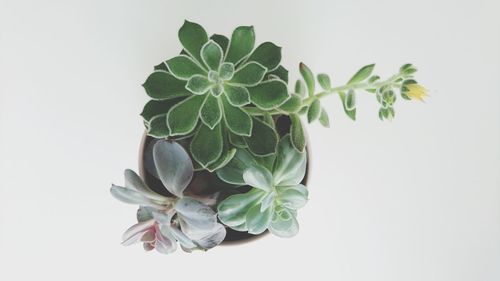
[134, 233]
[250, 74]
[210, 112]
[269, 94]
[183, 117]
[314, 111]
[267, 54]
[130, 196]
[241, 44]
[237, 120]
[297, 134]
[199, 217]
[233, 172]
[226, 71]
[173, 165]
[237, 95]
[193, 37]
[133, 181]
[308, 78]
[293, 198]
[284, 228]
[198, 84]
[263, 140]
[290, 164]
[350, 112]
[221, 40]
[258, 177]
[293, 104]
[324, 81]
[162, 85]
[158, 127]
[257, 221]
[281, 73]
[211, 54]
[183, 67]
[324, 119]
[165, 242]
[154, 108]
[206, 146]
[362, 74]
[232, 210]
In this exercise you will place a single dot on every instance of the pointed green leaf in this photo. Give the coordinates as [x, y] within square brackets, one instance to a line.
[206, 146]
[237, 141]
[183, 67]
[237, 95]
[226, 157]
[263, 140]
[210, 112]
[293, 104]
[258, 177]
[308, 78]
[314, 111]
[162, 85]
[237, 120]
[211, 54]
[362, 74]
[154, 108]
[183, 117]
[269, 94]
[280, 72]
[232, 210]
[257, 221]
[350, 113]
[198, 84]
[297, 133]
[324, 81]
[324, 119]
[221, 40]
[241, 44]
[158, 127]
[250, 74]
[290, 166]
[350, 100]
[267, 54]
[233, 172]
[192, 37]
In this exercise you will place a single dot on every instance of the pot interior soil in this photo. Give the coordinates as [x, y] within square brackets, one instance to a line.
[205, 186]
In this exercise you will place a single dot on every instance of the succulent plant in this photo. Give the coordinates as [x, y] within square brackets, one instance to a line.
[218, 102]
[164, 221]
[276, 194]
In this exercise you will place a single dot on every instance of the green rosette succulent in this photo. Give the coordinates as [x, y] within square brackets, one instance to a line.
[276, 194]
[203, 94]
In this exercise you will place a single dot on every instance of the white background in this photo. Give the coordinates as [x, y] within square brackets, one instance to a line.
[417, 198]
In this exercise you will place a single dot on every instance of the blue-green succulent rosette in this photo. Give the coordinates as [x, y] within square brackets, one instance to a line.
[205, 94]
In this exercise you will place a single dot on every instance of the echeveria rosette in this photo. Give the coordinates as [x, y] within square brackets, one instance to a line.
[276, 194]
[204, 91]
[165, 221]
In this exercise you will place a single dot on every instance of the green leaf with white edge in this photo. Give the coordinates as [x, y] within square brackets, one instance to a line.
[236, 95]
[324, 81]
[269, 94]
[206, 146]
[362, 74]
[257, 221]
[161, 85]
[267, 54]
[280, 72]
[258, 177]
[216, 90]
[226, 157]
[198, 84]
[226, 71]
[183, 117]
[300, 88]
[263, 140]
[350, 100]
[241, 44]
[350, 113]
[154, 108]
[314, 111]
[297, 133]
[284, 227]
[324, 119]
[237, 120]
[232, 173]
[221, 40]
[183, 67]
[232, 210]
[193, 36]
[161, 66]
[212, 54]
[293, 104]
[308, 78]
[268, 119]
[289, 167]
[210, 112]
[237, 141]
[250, 74]
[292, 198]
[158, 127]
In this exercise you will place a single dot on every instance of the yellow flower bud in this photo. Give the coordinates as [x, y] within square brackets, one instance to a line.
[416, 92]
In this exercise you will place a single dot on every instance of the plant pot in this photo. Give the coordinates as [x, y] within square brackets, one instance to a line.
[206, 186]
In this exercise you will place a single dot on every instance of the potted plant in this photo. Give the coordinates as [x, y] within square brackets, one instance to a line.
[224, 157]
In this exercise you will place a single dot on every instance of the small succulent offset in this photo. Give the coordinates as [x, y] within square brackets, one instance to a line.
[164, 221]
[215, 109]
